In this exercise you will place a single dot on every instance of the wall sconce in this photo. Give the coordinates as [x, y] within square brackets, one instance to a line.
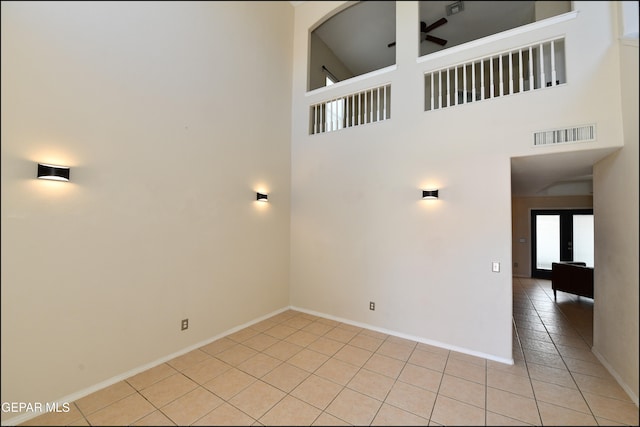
[429, 194]
[262, 197]
[56, 173]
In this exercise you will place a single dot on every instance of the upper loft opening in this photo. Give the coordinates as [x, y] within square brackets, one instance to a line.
[360, 38]
[452, 23]
[352, 42]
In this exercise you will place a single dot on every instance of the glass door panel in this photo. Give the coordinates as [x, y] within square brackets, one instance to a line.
[547, 240]
[583, 239]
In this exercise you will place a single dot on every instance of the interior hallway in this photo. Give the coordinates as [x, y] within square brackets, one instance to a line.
[299, 369]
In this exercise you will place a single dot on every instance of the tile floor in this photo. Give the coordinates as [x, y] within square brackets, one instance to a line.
[299, 369]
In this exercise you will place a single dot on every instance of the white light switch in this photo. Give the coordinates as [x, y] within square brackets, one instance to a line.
[495, 267]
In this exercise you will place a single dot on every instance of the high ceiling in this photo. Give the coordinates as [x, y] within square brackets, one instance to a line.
[362, 51]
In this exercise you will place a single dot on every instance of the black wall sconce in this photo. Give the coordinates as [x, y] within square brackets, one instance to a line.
[429, 194]
[56, 173]
[261, 197]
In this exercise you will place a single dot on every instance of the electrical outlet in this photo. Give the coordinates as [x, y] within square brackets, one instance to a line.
[372, 305]
[495, 267]
[185, 324]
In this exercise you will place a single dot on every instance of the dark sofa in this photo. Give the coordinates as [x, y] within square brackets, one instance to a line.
[572, 277]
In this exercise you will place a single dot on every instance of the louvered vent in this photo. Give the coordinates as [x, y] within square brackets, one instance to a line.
[565, 136]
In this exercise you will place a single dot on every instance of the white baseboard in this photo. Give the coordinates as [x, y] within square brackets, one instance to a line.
[615, 375]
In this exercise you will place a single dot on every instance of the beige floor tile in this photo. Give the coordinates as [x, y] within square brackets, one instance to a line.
[348, 327]
[225, 415]
[337, 371]
[169, 389]
[280, 331]
[290, 412]
[257, 399]
[353, 355]
[508, 382]
[299, 322]
[365, 341]
[194, 405]
[553, 415]
[384, 365]
[259, 365]
[447, 411]
[156, 418]
[230, 383]
[326, 346]
[301, 338]
[559, 376]
[263, 325]
[412, 399]
[607, 387]
[519, 367]
[427, 359]
[512, 406]
[475, 360]
[317, 328]
[308, 360]
[577, 353]
[560, 396]
[493, 419]
[101, 398]
[466, 370]
[391, 416]
[543, 346]
[282, 350]
[218, 346]
[317, 391]
[188, 359]
[151, 376]
[616, 410]
[542, 358]
[260, 341]
[588, 368]
[206, 370]
[57, 418]
[237, 354]
[432, 349]
[371, 383]
[375, 334]
[397, 350]
[243, 334]
[421, 377]
[123, 412]
[354, 407]
[329, 420]
[285, 377]
[341, 334]
[80, 422]
[464, 391]
[606, 422]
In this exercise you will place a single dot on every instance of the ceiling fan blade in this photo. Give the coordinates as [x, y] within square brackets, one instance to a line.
[423, 27]
[436, 24]
[391, 44]
[437, 40]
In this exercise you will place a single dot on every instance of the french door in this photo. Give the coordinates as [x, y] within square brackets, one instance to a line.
[560, 235]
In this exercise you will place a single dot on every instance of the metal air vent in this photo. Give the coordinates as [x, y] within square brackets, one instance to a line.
[565, 136]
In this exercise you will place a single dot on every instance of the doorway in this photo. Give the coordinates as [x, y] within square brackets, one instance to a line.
[560, 235]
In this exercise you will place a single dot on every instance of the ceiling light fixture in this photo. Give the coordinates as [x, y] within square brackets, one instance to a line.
[454, 8]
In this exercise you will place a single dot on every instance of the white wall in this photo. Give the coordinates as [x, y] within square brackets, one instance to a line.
[171, 115]
[359, 231]
[615, 334]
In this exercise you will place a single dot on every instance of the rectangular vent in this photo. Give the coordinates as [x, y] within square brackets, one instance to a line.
[565, 136]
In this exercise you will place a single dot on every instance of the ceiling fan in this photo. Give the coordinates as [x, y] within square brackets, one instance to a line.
[424, 28]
